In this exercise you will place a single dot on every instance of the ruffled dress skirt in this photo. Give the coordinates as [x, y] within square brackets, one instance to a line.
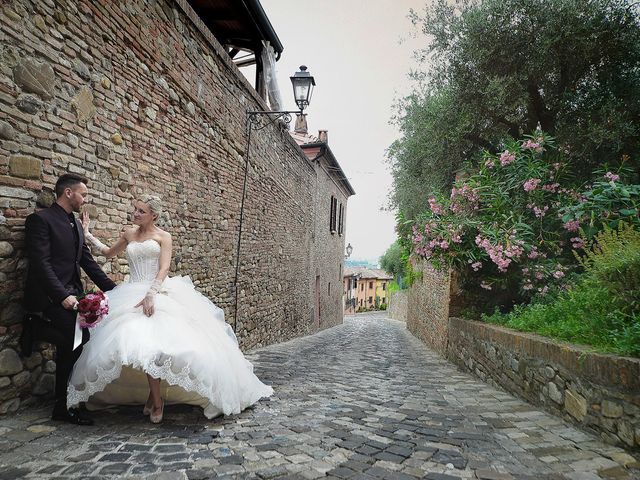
[186, 343]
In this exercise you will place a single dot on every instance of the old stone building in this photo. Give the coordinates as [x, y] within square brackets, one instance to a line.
[332, 190]
[140, 96]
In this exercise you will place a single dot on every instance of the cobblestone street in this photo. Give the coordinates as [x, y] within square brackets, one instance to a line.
[364, 400]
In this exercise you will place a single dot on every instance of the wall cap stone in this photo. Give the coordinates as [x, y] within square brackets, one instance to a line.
[613, 371]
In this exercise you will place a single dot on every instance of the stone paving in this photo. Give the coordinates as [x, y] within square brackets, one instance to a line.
[363, 400]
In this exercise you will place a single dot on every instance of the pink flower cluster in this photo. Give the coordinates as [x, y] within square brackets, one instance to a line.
[612, 177]
[572, 225]
[506, 158]
[531, 184]
[500, 255]
[465, 193]
[536, 277]
[436, 208]
[551, 187]
[540, 212]
[531, 145]
[577, 242]
[476, 266]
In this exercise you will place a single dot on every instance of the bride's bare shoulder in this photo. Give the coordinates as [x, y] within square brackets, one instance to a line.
[164, 235]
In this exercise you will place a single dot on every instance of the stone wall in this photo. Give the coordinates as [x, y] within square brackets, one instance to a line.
[600, 393]
[428, 307]
[398, 305]
[329, 248]
[139, 97]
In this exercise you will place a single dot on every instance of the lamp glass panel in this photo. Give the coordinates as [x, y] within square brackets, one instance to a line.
[300, 91]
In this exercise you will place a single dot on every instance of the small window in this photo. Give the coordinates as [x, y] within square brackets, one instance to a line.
[332, 214]
[341, 220]
[329, 289]
[370, 284]
[370, 299]
[384, 286]
[384, 300]
[355, 283]
[361, 287]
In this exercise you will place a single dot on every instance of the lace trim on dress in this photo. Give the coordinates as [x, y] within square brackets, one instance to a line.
[158, 370]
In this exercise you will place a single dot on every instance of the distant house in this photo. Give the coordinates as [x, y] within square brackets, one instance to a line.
[365, 289]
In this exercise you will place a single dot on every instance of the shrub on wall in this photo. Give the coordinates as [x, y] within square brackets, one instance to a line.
[509, 225]
[602, 308]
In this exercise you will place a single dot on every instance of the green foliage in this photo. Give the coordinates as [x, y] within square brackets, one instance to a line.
[393, 287]
[495, 69]
[602, 308]
[391, 261]
[614, 260]
[606, 203]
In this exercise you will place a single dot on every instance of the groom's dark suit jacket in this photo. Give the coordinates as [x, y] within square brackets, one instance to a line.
[54, 260]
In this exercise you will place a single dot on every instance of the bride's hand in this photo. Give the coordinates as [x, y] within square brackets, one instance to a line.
[84, 220]
[147, 305]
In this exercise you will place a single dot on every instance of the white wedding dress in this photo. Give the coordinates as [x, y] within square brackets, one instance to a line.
[186, 343]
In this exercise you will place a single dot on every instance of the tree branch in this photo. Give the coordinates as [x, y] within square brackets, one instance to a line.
[480, 142]
[547, 122]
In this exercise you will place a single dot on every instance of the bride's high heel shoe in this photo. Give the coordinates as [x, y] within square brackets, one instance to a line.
[157, 418]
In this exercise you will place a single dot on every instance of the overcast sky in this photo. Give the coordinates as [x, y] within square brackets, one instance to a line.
[359, 52]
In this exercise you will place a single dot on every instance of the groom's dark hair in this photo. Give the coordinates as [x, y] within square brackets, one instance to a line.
[68, 180]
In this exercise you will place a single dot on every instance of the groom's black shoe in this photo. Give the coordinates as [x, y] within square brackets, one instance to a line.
[73, 415]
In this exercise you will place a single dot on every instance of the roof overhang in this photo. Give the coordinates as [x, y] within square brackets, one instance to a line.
[238, 25]
[321, 149]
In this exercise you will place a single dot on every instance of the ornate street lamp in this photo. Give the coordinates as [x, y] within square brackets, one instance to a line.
[303, 83]
[349, 250]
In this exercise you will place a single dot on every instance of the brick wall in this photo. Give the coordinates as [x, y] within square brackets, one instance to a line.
[428, 307]
[398, 305]
[139, 97]
[600, 393]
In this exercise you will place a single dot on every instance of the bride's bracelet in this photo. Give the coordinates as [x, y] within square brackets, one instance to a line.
[96, 243]
[155, 288]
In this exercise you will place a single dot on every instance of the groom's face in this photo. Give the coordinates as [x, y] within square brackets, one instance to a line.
[77, 195]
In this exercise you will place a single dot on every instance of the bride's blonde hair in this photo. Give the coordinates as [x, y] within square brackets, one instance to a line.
[154, 202]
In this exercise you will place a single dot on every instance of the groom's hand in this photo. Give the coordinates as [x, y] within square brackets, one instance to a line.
[69, 302]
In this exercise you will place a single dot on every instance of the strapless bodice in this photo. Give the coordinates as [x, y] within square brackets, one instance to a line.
[144, 260]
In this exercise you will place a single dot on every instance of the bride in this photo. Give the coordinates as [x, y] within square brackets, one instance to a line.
[161, 327]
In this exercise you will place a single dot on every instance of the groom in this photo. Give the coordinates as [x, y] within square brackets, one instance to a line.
[56, 250]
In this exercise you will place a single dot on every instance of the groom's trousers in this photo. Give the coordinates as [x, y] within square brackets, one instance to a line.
[58, 328]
